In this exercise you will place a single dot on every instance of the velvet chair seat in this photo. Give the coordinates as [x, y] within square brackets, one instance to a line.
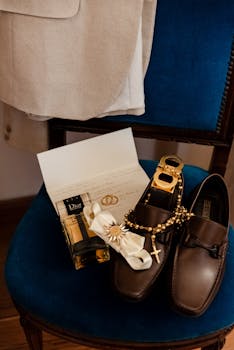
[41, 278]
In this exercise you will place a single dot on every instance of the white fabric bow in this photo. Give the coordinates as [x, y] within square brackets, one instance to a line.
[128, 244]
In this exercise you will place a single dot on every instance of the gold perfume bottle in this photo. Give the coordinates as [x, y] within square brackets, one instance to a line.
[84, 245]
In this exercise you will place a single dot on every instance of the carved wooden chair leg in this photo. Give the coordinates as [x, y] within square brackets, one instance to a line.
[32, 333]
[215, 346]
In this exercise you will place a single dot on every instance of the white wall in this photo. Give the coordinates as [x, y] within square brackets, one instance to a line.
[19, 171]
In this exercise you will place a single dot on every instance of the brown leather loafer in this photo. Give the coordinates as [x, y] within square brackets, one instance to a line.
[199, 260]
[154, 217]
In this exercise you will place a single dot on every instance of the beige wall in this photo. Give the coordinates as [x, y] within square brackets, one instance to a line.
[19, 171]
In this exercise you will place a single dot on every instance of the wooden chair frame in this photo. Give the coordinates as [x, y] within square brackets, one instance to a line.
[221, 139]
[33, 328]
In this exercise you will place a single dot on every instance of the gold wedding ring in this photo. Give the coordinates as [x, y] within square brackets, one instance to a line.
[109, 199]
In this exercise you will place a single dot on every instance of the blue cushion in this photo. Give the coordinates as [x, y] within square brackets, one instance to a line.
[186, 77]
[41, 278]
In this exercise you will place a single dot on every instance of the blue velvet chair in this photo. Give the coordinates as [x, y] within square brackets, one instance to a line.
[189, 90]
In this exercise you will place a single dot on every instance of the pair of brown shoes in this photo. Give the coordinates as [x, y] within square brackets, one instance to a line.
[197, 237]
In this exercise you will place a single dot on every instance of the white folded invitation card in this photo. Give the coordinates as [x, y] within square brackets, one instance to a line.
[106, 167]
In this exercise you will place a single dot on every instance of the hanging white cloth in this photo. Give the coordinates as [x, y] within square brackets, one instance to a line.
[75, 59]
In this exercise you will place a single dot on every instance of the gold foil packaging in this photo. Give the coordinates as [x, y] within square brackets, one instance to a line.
[84, 245]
